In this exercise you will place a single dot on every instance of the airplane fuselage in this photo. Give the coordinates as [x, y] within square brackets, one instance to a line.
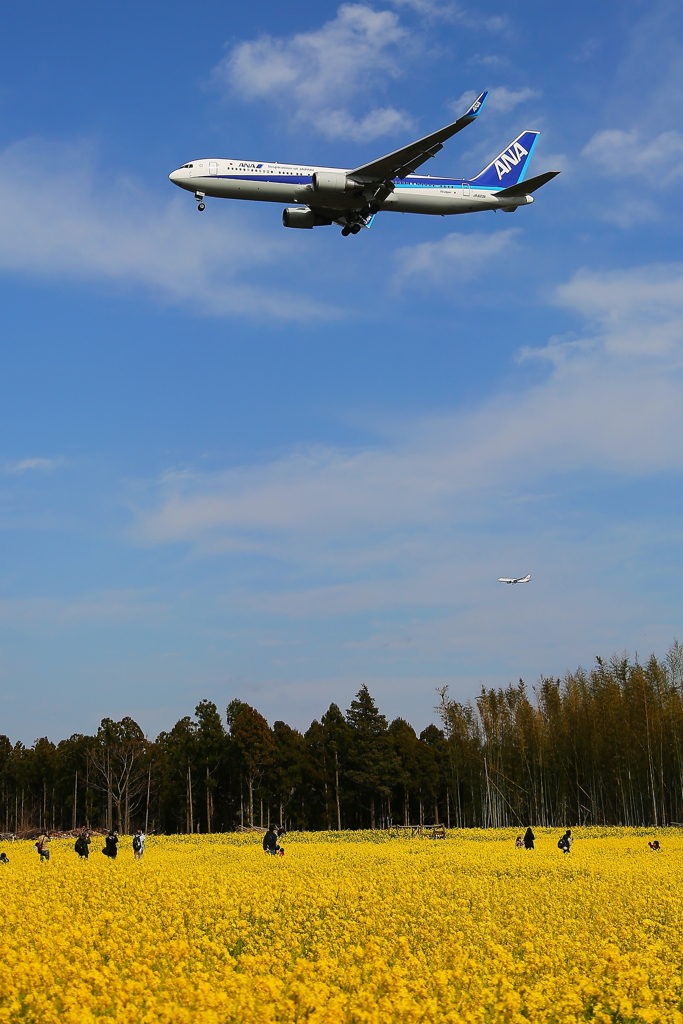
[294, 183]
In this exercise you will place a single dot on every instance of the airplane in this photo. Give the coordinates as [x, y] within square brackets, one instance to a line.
[352, 198]
[520, 579]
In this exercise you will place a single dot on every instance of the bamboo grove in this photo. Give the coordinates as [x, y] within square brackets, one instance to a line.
[603, 747]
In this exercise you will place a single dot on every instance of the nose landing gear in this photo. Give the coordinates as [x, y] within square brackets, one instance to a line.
[199, 196]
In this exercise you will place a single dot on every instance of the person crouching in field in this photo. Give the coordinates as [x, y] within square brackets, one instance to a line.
[529, 839]
[4, 859]
[41, 846]
[110, 845]
[519, 843]
[565, 843]
[138, 844]
[655, 846]
[270, 844]
[81, 845]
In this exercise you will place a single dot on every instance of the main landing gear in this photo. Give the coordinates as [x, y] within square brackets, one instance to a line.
[352, 229]
[199, 196]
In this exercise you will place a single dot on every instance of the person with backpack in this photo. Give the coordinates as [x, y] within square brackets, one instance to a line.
[565, 843]
[110, 845]
[138, 844]
[41, 846]
[529, 839]
[4, 859]
[81, 845]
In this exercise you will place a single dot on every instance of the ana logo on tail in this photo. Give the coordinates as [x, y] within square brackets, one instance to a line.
[514, 154]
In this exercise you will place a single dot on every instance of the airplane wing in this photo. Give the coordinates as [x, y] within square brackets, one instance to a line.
[404, 161]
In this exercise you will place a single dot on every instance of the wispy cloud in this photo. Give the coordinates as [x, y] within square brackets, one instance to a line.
[41, 465]
[455, 257]
[500, 99]
[102, 608]
[307, 73]
[611, 402]
[112, 232]
[431, 10]
[625, 154]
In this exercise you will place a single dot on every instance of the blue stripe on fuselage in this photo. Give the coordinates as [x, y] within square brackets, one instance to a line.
[297, 179]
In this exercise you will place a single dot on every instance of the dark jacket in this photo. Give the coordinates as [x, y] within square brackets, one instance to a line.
[110, 846]
[270, 840]
[529, 839]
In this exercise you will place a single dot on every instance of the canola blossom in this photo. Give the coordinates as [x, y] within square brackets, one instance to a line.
[350, 928]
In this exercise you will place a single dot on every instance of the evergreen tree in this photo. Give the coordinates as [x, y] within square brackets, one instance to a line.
[374, 765]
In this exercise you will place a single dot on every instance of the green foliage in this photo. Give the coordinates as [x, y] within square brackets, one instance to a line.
[595, 748]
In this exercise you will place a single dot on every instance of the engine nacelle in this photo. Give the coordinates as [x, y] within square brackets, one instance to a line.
[333, 183]
[295, 217]
[303, 217]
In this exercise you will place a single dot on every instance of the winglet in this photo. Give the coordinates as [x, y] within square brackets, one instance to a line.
[477, 105]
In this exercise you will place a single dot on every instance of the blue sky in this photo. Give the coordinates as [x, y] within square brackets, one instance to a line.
[244, 461]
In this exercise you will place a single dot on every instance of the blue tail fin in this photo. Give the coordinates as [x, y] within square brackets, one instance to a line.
[510, 167]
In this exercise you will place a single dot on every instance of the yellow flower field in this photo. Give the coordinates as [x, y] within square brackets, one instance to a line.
[348, 927]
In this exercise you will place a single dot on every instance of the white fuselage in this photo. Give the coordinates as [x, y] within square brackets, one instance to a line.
[293, 183]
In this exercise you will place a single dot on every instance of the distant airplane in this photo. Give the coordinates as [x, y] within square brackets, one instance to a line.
[520, 579]
[351, 198]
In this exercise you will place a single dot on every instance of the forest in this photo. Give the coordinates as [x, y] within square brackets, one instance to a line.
[603, 746]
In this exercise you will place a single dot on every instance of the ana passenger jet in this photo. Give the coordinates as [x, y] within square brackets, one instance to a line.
[520, 579]
[351, 198]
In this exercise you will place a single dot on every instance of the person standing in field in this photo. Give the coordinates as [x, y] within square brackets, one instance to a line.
[138, 844]
[270, 841]
[110, 845]
[41, 846]
[529, 839]
[81, 845]
[565, 843]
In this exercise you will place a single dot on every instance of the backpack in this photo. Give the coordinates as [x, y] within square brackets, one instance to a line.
[561, 843]
[137, 844]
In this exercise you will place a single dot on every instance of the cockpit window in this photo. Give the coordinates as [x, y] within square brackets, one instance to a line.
[186, 166]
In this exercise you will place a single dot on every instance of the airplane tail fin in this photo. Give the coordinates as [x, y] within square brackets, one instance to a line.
[509, 166]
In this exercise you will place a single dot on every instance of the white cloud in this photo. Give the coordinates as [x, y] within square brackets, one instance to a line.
[116, 233]
[43, 465]
[623, 154]
[611, 402]
[314, 75]
[500, 99]
[455, 257]
[430, 10]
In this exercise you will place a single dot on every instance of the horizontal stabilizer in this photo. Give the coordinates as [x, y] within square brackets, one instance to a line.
[524, 188]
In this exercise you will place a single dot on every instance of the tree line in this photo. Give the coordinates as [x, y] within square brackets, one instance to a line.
[603, 746]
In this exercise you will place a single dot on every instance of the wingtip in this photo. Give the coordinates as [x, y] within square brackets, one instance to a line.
[475, 109]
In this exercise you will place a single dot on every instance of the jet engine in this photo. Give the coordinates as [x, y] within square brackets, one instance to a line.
[334, 183]
[303, 217]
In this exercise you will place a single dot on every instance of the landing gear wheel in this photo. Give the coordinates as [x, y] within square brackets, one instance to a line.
[355, 229]
[201, 207]
[346, 231]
